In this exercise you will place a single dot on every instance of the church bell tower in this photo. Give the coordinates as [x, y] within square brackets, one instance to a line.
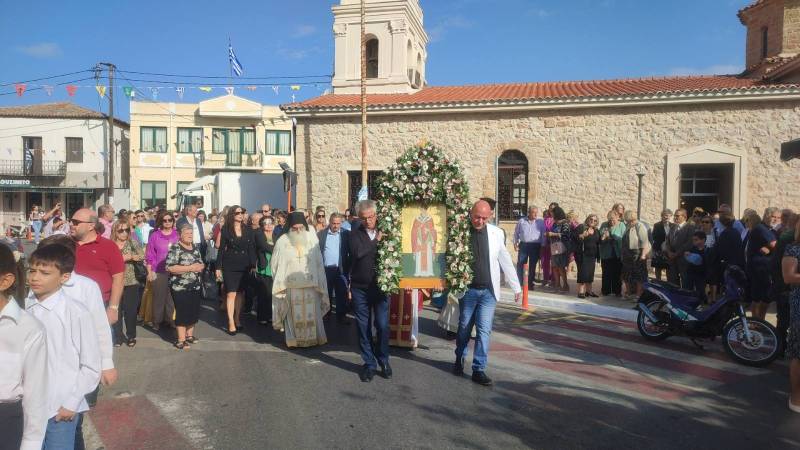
[396, 47]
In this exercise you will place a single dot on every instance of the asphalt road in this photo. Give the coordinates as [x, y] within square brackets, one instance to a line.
[560, 382]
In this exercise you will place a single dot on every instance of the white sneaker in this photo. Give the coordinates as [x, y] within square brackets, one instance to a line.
[793, 407]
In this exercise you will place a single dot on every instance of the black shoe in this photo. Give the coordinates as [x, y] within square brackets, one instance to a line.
[481, 378]
[386, 371]
[240, 328]
[343, 320]
[458, 368]
[366, 374]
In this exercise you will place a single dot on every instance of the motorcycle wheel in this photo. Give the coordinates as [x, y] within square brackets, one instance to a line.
[760, 351]
[649, 330]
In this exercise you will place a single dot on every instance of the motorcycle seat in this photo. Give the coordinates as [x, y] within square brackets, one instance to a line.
[674, 288]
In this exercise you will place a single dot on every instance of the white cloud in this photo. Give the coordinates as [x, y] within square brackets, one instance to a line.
[539, 12]
[717, 69]
[303, 31]
[41, 50]
[437, 32]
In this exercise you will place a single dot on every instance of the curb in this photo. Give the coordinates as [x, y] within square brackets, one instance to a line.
[573, 307]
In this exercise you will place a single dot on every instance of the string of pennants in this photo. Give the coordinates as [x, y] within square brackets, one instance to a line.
[130, 91]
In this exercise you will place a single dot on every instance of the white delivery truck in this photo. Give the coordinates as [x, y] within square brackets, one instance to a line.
[249, 190]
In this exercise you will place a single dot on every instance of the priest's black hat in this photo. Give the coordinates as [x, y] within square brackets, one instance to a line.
[296, 218]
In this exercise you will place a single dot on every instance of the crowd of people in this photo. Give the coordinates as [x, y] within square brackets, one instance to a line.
[89, 286]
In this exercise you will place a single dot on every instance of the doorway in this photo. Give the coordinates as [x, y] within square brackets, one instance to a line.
[706, 186]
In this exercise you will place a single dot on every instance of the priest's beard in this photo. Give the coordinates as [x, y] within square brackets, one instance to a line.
[298, 241]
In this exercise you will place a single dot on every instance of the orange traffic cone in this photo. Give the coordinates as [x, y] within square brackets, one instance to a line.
[29, 233]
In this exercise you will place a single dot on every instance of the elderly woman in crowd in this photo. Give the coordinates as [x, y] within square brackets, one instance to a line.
[635, 249]
[661, 230]
[611, 234]
[586, 252]
[155, 260]
[185, 264]
[790, 263]
[759, 246]
[132, 253]
[560, 247]
[544, 255]
[264, 247]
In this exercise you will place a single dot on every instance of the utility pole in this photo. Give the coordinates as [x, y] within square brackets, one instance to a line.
[111, 145]
[364, 178]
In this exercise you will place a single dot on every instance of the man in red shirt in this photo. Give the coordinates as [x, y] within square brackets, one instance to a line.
[99, 259]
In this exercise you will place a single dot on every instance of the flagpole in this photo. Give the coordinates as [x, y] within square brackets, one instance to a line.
[364, 174]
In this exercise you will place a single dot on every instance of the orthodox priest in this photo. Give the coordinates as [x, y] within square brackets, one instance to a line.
[299, 289]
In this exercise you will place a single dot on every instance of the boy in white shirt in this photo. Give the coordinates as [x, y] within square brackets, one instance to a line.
[23, 367]
[73, 355]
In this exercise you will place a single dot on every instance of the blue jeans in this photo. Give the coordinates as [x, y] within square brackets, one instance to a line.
[61, 435]
[37, 229]
[372, 305]
[476, 307]
[528, 251]
[337, 285]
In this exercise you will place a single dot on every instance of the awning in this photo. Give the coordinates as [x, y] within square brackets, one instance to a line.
[790, 150]
[62, 190]
[198, 184]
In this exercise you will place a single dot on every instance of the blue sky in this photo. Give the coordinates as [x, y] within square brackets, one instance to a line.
[472, 41]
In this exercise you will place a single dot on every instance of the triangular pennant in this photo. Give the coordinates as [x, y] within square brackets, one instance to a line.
[48, 89]
[229, 90]
[71, 88]
[128, 90]
[20, 88]
[101, 90]
[205, 88]
[252, 88]
[276, 89]
[295, 87]
[154, 92]
[180, 90]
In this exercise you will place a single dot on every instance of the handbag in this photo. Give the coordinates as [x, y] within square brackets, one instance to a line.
[140, 271]
[557, 248]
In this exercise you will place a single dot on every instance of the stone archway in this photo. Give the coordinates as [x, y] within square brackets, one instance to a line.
[707, 155]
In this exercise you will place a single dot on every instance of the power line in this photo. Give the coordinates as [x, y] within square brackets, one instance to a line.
[295, 77]
[47, 78]
[197, 83]
[35, 125]
[46, 131]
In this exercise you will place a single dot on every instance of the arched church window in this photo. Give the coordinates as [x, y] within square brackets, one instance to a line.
[512, 185]
[372, 57]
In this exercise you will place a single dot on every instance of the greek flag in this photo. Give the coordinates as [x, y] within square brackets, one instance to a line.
[236, 66]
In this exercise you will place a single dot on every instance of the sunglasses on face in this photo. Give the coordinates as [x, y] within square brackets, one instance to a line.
[265, 211]
[238, 213]
[124, 230]
[76, 222]
[167, 220]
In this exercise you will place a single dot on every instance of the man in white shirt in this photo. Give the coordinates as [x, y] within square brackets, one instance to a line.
[23, 368]
[73, 354]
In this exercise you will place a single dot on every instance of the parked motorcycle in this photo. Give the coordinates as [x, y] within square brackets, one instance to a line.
[666, 310]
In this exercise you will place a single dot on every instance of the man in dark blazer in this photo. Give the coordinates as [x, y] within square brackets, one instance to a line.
[334, 243]
[679, 241]
[190, 217]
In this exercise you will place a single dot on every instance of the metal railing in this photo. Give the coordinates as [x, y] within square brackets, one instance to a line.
[33, 168]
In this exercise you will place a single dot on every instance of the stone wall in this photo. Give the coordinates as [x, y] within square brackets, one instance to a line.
[771, 16]
[791, 26]
[584, 159]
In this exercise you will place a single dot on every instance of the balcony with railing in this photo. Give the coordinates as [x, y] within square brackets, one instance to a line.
[32, 168]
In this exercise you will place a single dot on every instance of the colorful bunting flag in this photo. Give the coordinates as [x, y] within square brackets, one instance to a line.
[295, 87]
[101, 90]
[154, 92]
[205, 88]
[128, 90]
[229, 90]
[20, 88]
[48, 89]
[71, 88]
[180, 90]
[251, 88]
[276, 89]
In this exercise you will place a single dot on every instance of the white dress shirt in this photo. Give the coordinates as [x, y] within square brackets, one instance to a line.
[73, 356]
[87, 292]
[23, 370]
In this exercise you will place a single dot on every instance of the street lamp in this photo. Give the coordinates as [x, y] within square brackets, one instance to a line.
[640, 174]
[289, 180]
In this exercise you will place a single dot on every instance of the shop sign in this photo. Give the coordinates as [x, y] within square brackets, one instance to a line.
[4, 182]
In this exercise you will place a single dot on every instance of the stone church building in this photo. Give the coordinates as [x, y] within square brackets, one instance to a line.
[697, 141]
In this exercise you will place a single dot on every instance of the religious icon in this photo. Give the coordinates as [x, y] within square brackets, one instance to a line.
[424, 229]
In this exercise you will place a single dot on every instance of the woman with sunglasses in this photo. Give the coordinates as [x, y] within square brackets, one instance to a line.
[236, 257]
[132, 253]
[319, 220]
[155, 258]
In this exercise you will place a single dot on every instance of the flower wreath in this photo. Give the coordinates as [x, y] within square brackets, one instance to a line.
[423, 174]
